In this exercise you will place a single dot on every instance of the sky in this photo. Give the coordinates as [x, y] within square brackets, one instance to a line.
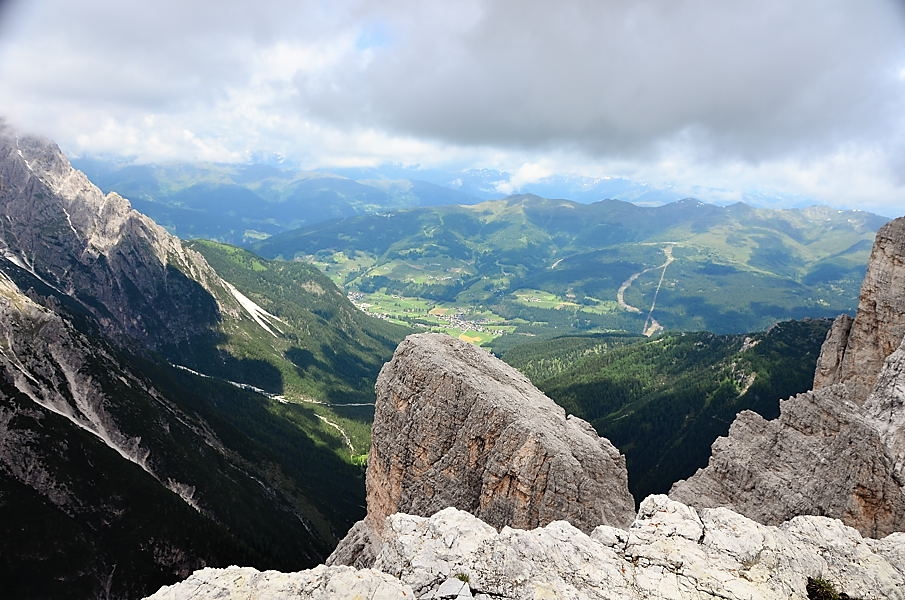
[802, 98]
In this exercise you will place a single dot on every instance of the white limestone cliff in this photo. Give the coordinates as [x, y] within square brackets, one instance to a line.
[670, 551]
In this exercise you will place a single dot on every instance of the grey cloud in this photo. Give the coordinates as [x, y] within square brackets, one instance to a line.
[687, 88]
[753, 78]
[163, 54]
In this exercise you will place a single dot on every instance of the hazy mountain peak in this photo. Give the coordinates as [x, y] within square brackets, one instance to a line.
[59, 226]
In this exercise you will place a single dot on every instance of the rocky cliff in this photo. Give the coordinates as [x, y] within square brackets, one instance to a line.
[856, 353]
[442, 415]
[139, 282]
[840, 449]
[455, 426]
[119, 471]
[670, 551]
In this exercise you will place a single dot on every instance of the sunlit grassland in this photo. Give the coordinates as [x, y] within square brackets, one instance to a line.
[472, 323]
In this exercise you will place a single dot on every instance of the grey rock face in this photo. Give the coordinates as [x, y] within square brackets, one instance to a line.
[885, 407]
[879, 324]
[320, 583]
[840, 449]
[671, 551]
[454, 426]
[138, 281]
[832, 353]
[107, 447]
[819, 457]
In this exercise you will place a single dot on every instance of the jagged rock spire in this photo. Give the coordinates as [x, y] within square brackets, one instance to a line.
[839, 450]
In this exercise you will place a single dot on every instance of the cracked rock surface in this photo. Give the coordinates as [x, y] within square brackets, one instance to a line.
[838, 450]
[455, 426]
[671, 551]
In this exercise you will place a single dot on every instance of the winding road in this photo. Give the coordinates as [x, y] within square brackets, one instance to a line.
[651, 326]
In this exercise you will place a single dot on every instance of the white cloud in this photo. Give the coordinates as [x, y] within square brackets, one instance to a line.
[733, 95]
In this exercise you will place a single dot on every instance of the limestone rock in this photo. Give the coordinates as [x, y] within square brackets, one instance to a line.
[886, 408]
[819, 457]
[879, 324]
[137, 280]
[671, 551]
[832, 352]
[320, 583]
[454, 426]
[840, 449]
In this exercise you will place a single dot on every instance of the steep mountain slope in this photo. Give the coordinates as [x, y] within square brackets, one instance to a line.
[129, 424]
[663, 401]
[439, 445]
[137, 280]
[329, 350]
[611, 265]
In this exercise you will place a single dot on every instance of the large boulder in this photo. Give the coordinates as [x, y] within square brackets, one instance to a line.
[455, 426]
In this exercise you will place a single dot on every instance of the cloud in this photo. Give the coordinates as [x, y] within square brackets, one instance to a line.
[776, 92]
[751, 80]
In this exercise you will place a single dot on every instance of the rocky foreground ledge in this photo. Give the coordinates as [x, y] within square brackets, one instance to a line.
[671, 551]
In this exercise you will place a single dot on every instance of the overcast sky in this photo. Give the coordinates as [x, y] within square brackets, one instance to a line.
[799, 97]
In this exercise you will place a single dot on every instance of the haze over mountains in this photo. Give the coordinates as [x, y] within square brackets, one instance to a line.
[521, 263]
[237, 203]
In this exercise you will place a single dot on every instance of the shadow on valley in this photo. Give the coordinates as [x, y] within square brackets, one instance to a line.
[663, 401]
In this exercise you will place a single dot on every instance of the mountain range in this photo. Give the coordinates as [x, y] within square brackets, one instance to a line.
[238, 203]
[480, 487]
[170, 405]
[157, 418]
[489, 265]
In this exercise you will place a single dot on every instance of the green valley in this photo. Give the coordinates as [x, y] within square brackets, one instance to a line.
[529, 265]
[316, 350]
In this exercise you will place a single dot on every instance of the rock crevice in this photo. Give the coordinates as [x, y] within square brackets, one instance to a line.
[838, 450]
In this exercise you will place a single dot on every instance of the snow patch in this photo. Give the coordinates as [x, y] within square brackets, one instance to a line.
[69, 220]
[260, 316]
[23, 263]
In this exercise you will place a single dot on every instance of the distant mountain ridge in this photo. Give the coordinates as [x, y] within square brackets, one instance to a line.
[610, 265]
[239, 203]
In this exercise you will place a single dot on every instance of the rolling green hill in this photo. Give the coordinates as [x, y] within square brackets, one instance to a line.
[531, 265]
[663, 401]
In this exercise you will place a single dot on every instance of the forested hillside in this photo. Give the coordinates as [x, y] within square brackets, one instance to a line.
[663, 401]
